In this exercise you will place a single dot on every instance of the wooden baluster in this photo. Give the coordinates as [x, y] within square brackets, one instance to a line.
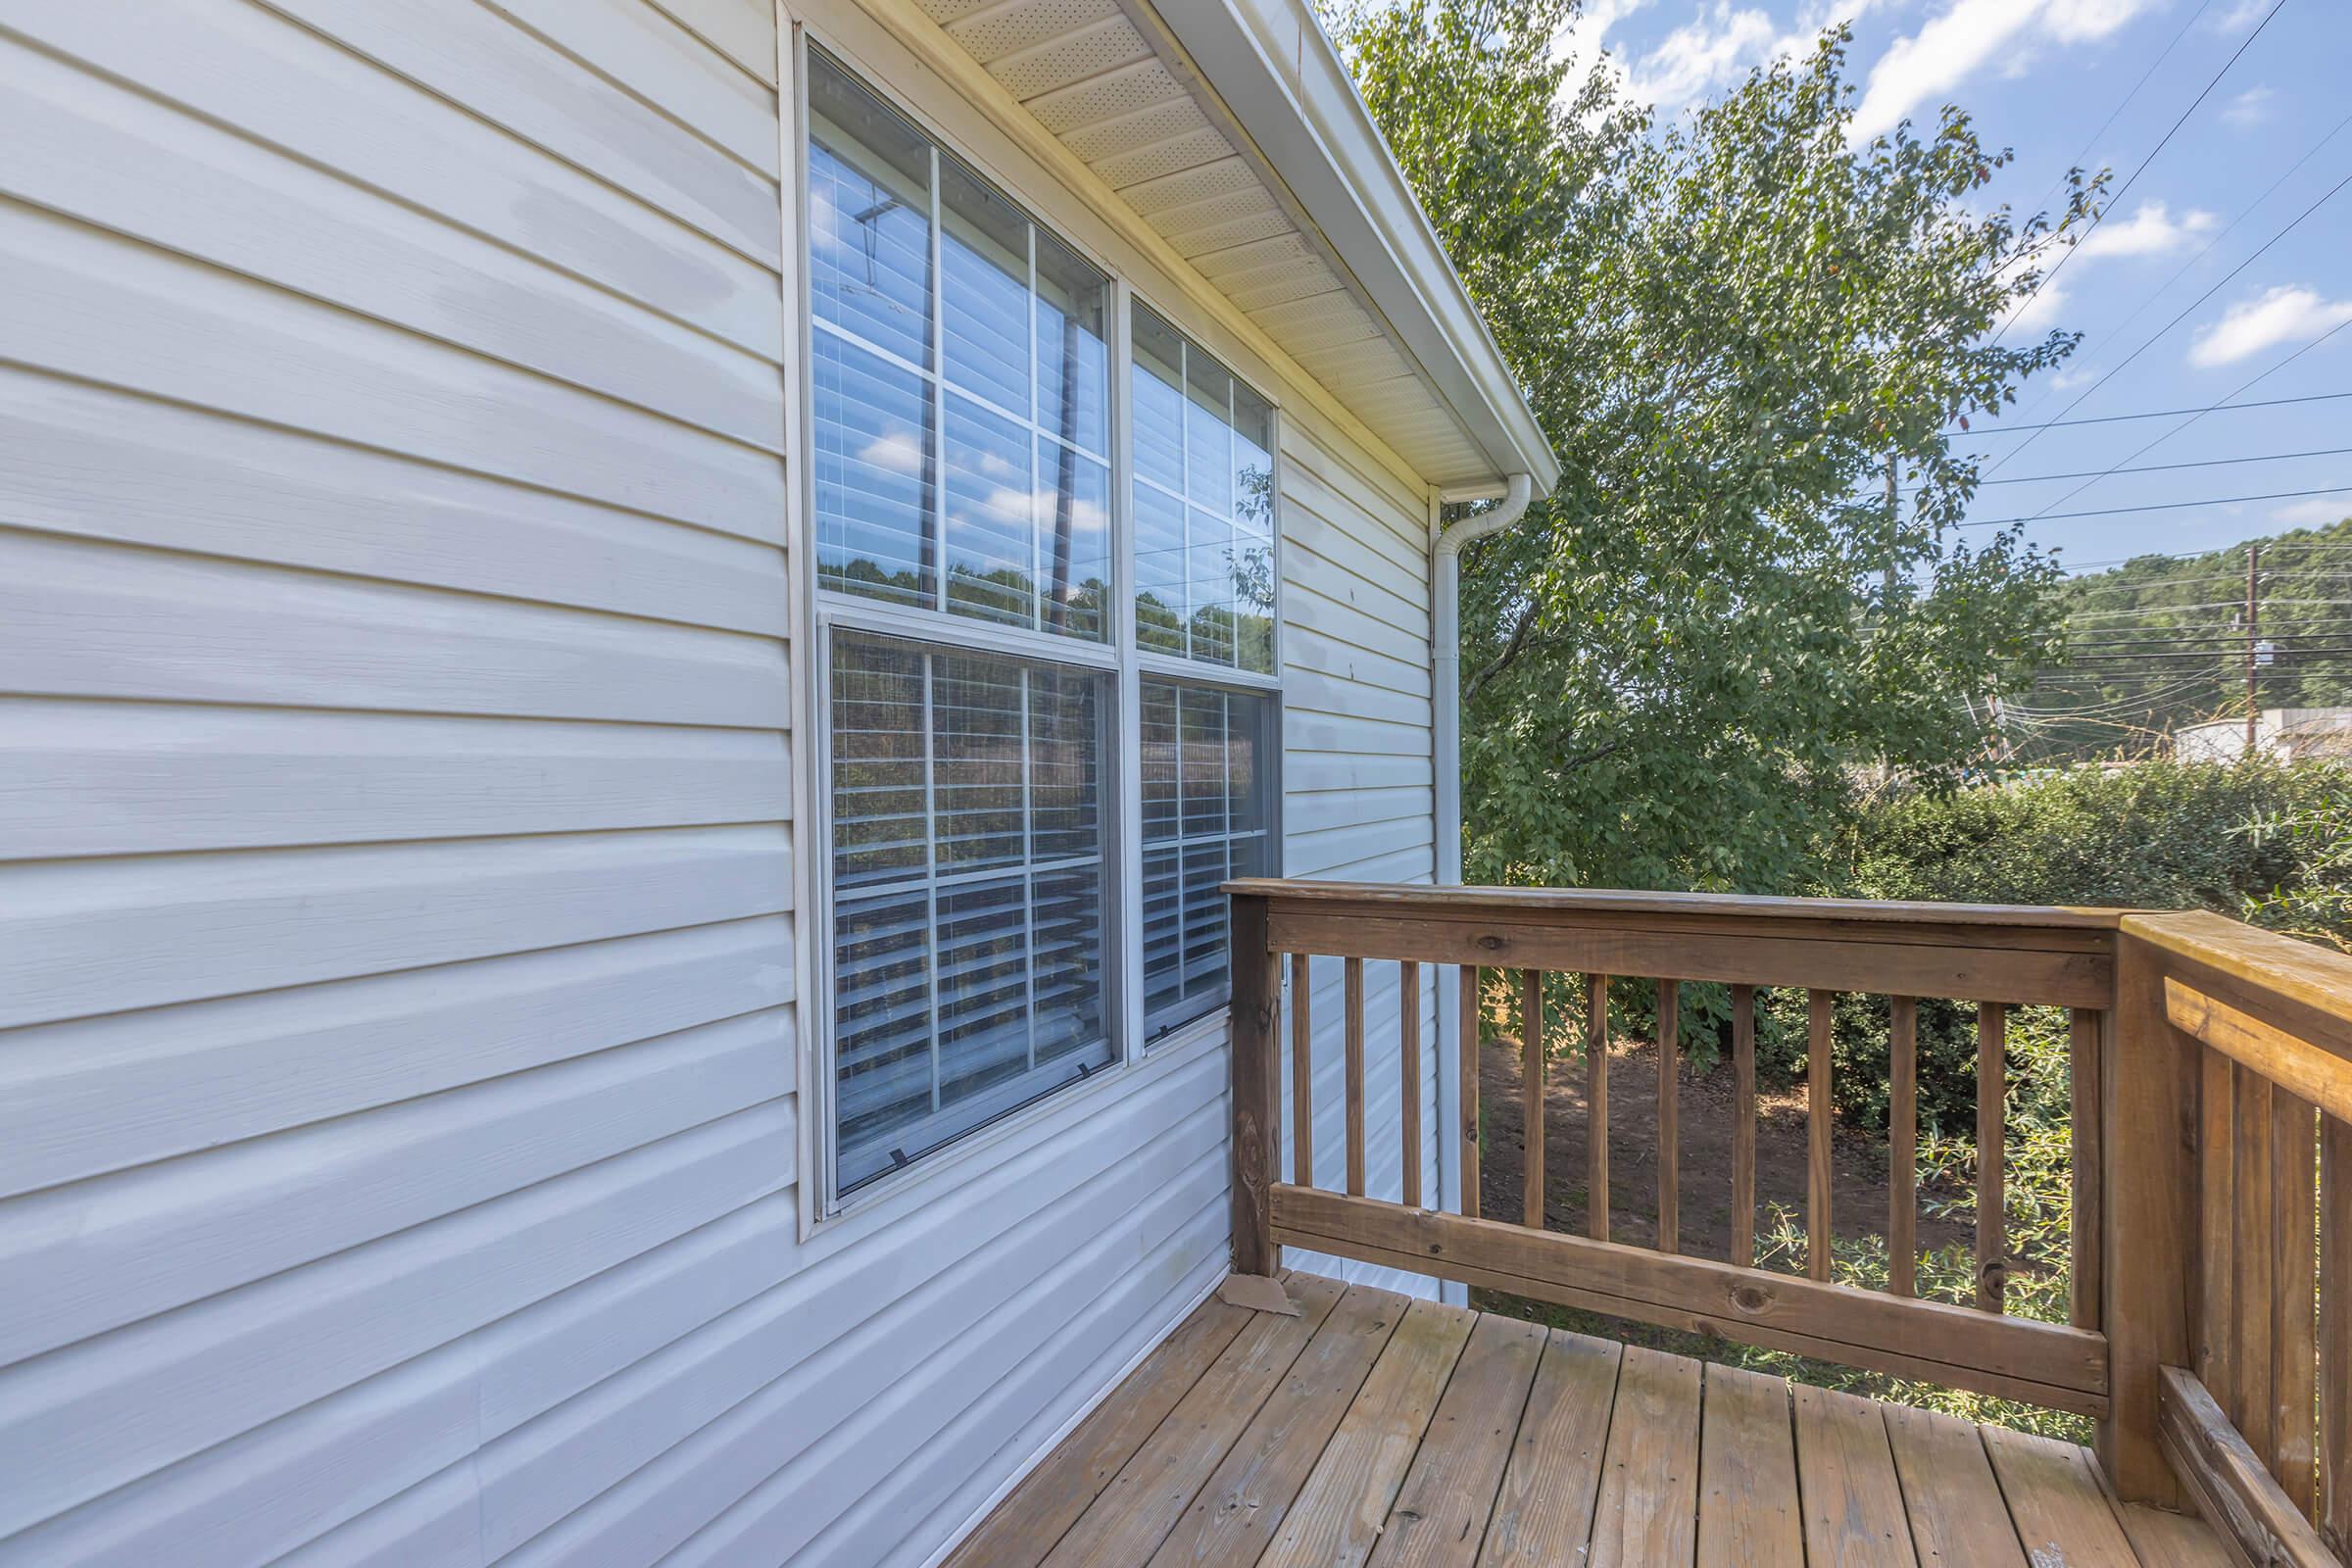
[1257, 1015]
[1743, 1126]
[1469, 1065]
[2335, 1335]
[2294, 1326]
[1353, 971]
[2253, 1411]
[1818, 1039]
[1408, 1076]
[1993, 1130]
[1302, 1072]
[2085, 1028]
[1596, 1106]
[1531, 1089]
[1902, 1145]
[1670, 1044]
[2216, 1227]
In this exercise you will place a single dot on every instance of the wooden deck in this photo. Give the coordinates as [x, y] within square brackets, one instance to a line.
[1373, 1429]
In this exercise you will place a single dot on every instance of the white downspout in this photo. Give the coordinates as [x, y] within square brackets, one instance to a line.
[1445, 701]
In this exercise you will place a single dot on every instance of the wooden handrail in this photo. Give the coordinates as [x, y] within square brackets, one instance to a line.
[2212, 1089]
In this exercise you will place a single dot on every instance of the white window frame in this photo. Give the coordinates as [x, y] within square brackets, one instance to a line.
[820, 611]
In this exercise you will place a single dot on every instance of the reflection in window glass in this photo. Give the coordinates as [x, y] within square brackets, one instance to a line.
[970, 939]
[1205, 819]
[1203, 494]
[972, 477]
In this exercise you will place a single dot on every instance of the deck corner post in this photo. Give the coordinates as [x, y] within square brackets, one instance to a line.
[1256, 1088]
[2148, 1214]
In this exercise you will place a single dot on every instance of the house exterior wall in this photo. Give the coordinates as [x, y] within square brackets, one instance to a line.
[399, 1039]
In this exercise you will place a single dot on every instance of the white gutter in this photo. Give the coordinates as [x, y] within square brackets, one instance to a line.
[1445, 705]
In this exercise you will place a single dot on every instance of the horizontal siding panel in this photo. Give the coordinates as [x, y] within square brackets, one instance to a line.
[1315, 772]
[470, 54]
[1335, 809]
[287, 86]
[84, 619]
[115, 778]
[1341, 624]
[1314, 731]
[1387, 596]
[1315, 692]
[115, 1249]
[87, 304]
[89, 1096]
[744, 30]
[632, 43]
[1391, 519]
[91, 1417]
[215, 925]
[106, 464]
[110, 157]
[1306, 649]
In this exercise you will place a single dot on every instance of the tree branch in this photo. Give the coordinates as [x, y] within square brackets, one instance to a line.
[1510, 652]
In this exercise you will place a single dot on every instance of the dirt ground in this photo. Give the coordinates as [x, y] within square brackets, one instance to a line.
[1858, 1193]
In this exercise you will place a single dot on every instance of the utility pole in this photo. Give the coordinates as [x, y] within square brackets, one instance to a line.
[2253, 635]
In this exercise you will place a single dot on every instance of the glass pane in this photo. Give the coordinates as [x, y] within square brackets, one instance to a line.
[1072, 929]
[1163, 936]
[1065, 757]
[879, 830]
[873, 474]
[983, 288]
[1207, 432]
[1246, 786]
[1073, 352]
[1204, 922]
[1160, 598]
[1204, 779]
[1209, 554]
[869, 216]
[1158, 382]
[1074, 499]
[1252, 462]
[982, 987]
[1254, 602]
[1159, 760]
[976, 771]
[882, 1026]
[1205, 761]
[990, 537]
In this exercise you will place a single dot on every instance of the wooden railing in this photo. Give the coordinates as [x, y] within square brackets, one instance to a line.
[2206, 1060]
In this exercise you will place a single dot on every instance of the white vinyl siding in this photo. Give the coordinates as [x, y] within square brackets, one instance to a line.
[397, 912]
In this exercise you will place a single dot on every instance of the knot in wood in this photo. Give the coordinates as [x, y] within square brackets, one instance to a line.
[1751, 1299]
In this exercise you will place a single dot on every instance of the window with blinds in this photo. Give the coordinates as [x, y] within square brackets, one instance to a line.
[1005, 918]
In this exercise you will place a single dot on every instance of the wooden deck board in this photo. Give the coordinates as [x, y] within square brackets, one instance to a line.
[1372, 1430]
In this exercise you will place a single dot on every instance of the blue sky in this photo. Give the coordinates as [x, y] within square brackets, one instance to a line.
[2042, 76]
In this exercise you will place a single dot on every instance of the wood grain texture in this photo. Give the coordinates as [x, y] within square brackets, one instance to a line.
[2087, 1031]
[1303, 1070]
[2165, 1539]
[2294, 1287]
[1131, 1516]
[1596, 1106]
[1239, 1508]
[2233, 1488]
[2216, 1225]
[1819, 1119]
[1992, 1147]
[2302, 1069]
[1958, 1519]
[1748, 1509]
[1530, 1095]
[1646, 1515]
[1023, 1528]
[1337, 1516]
[1852, 1497]
[1409, 1081]
[1440, 1512]
[2335, 1335]
[1902, 1148]
[1669, 1116]
[1256, 1088]
[1743, 1126]
[2253, 1409]
[2054, 1498]
[1471, 1133]
[1544, 1510]
[1352, 989]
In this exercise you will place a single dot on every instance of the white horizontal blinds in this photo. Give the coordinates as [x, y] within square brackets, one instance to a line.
[954, 339]
[970, 890]
[1204, 505]
[1207, 817]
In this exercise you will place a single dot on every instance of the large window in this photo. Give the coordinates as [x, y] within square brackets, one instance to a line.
[1004, 920]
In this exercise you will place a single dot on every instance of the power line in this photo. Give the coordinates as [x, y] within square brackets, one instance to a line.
[2160, 506]
[2116, 200]
[2169, 467]
[2159, 413]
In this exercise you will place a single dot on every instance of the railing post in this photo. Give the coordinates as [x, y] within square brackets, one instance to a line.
[2148, 1213]
[1256, 1088]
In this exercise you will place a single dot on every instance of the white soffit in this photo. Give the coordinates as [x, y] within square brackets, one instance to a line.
[1230, 128]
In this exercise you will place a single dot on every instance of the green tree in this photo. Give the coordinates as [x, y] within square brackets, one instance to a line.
[1727, 328]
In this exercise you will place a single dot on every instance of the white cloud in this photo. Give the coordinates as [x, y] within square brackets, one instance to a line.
[2249, 107]
[2150, 231]
[1970, 34]
[2244, 14]
[2042, 310]
[2317, 512]
[897, 450]
[1712, 50]
[2283, 315]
